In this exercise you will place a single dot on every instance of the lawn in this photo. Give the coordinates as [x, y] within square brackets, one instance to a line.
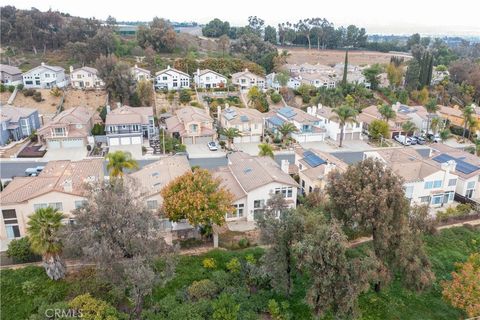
[394, 302]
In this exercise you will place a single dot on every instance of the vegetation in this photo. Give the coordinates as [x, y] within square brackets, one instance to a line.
[378, 129]
[266, 150]
[230, 134]
[118, 161]
[19, 250]
[344, 115]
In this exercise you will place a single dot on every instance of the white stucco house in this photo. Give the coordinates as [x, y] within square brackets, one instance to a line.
[272, 82]
[326, 117]
[208, 79]
[85, 78]
[248, 121]
[140, 74]
[45, 76]
[247, 79]
[172, 79]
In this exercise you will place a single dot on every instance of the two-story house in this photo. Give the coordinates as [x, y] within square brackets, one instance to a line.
[308, 126]
[45, 76]
[455, 116]
[248, 121]
[327, 120]
[17, 123]
[192, 125]
[68, 129]
[318, 80]
[85, 78]
[247, 79]
[125, 126]
[272, 82]
[10, 75]
[208, 79]
[60, 185]
[314, 167]
[424, 181]
[140, 74]
[172, 79]
[252, 181]
[418, 115]
[371, 113]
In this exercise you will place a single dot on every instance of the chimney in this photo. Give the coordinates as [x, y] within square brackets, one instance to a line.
[67, 185]
[329, 168]
[314, 110]
[285, 165]
[449, 166]
[320, 106]
[168, 67]
[198, 72]
[108, 108]
[136, 66]
[43, 63]
[71, 69]
[309, 110]
[119, 104]
[246, 70]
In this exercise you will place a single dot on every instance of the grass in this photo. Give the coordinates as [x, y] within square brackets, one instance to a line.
[394, 302]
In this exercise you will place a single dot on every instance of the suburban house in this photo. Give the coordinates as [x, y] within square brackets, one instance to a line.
[85, 78]
[467, 168]
[272, 82]
[45, 76]
[417, 114]
[371, 113]
[140, 74]
[10, 75]
[314, 167]
[68, 129]
[172, 79]
[248, 121]
[17, 123]
[354, 74]
[126, 126]
[60, 185]
[424, 181]
[192, 125]
[246, 79]
[208, 79]
[325, 115]
[455, 116]
[318, 80]
[252, 181]
[308, 126]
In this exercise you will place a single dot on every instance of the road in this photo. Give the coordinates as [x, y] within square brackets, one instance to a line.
[10, 169]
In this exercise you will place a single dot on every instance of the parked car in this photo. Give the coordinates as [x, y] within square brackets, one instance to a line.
[406, 141]
[31, 172]
[420, 140]
[212, 145]
[413, 140]
[433, 137]
[40, 168]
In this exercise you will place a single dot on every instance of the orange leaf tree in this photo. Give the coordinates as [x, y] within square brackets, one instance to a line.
[197, 197]
[463, 291]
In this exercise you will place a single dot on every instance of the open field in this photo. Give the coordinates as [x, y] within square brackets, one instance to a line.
[331, 57]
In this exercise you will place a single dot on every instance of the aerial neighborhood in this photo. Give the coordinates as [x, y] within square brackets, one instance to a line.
[305, 141]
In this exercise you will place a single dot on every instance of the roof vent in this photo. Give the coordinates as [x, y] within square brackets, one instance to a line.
[247, 170]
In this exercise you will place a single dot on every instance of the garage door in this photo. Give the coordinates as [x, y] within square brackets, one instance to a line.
[136, 140]
[125, 141]
[201, 140]
[113, 141]
[187, 140]
[356, 136]
[72, 143]
[347, 136]
[53, 144]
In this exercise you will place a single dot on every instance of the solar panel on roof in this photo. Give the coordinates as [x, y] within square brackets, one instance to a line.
[461, 166]
[312, 159]
[276, 121]
[287, 112]
[244, 118]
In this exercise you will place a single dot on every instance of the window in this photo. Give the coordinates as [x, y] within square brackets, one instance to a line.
[164, 78]
[258, 209]
[56, 205]
[58, 131]
[452, 182]
[39, 206]
[258, 204]
[47, 75]
[11, 223]
[437, 183]
[152, 204]
[287, 192]
[471, 185]
[238, 213]
[409, 192]
[437, 199]
[80, 203]
[425, 199]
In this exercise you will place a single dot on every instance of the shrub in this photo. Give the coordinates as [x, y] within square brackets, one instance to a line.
[276, 97]
[278, 311]
[2, 87]
[93, 309]
[37, 96]
[209, 263]
[185, 96]
[20, 86]
[30, 288]
[195, 104]
[202, 289]
[19, 250]
[233, 265]
[98, 129]
[243, 243]
[56, 92]
[28, 92]
[11, 88]
[226, 308]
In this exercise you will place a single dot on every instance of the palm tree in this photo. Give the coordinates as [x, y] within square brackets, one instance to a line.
[472, 123]
[265, 150]
[230, 133]
[409, 127]
[43, 232]
[344, 114]
[285, 129]
[467, 113]
[445, 134]
[434, 123]
[432, 108]
[118, 161]
[387, 112]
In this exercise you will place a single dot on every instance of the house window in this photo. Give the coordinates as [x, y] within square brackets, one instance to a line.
[80, 203]
[238, 213]
[47, 75]
[409, 192]
[425, 199]
[11, 223]
[164, 78]
[152, 204]
[39, 206]
[59, 132]
[194, 128]
[437, 199]
[286, 192]
[56, 205]
[470, 189]
[452, 182]
[437, 183]
[258, 208]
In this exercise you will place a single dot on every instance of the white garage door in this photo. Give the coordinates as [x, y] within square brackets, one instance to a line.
[54, 144]
[125, 141]
[114, 141]
[72, 143]
[202, 140]
[187, 140]
[136, 140]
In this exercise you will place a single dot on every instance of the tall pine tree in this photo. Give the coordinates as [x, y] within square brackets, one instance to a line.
[345, 69]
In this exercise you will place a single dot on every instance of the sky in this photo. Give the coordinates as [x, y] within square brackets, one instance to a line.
[459, 17]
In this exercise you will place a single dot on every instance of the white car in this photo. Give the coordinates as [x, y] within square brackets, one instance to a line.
[212, 145]
[403, 140]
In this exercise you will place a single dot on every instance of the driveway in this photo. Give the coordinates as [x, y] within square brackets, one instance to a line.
[247, 147]
[134, 149]
[65, 154]
[201, 150]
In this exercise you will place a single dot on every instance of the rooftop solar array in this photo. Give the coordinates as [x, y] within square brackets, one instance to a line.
[287, 112]
[244, 118]
[312, 159]
[229, 114]
[462, 165]
[276, 121]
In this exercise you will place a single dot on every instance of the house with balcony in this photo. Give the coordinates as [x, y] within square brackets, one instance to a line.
[208, 79]
[308, 126]
[61, 185]
[248, 121]
[191, 125]
[326, 117]
[10, 75]
[252, 181]
[127, 127]
[85, 78]
[45, 77]
[272, 82]
[68, 129]
[172, 79]
[140, 74]
[424, 181]
[318, 80]
[246, 79]
[371, 113]
[418, 115]
[17, 123]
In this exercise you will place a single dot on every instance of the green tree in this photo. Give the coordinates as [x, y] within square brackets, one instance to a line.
[282, 78]
[345, 69]
[20, 250]
[44, 234]
[372, 75]
[344, 115]
[93, 309]
[119, 161]
[286, 129]
[445, 134]
[216, 28]
[145, 92]
[226, 308]
[432, 108]
[409, 127]
[467, 114]
[379, 129]
[387, 112]
[270, 34]
[266, 150]
[230, 134]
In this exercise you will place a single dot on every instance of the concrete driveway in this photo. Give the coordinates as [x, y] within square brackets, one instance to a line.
[201, 150]
[247, 147]
[65, 154]
[134, 149]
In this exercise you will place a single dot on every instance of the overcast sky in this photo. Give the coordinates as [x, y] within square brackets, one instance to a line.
[377, 16]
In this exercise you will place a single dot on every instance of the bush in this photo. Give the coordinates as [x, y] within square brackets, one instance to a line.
[234, 265]
[37, 96]
[226, 308]
[452, 212]
[195, 104]
[56, 92]
[2, 87]
[11, 88]
[98, 129]
[20, 86]
[209, 263]
[202, 289]
[185, 96]
[19, 250]
[276, 97]
[93, 309]
[243, 243]
[28, 92]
